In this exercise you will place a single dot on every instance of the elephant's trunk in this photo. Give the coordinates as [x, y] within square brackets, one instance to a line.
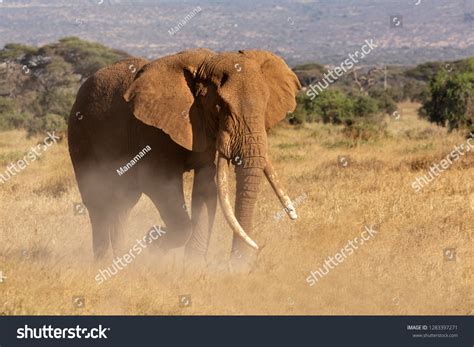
[223, 191]
[251, 164]
[247, 190]
[249, 173]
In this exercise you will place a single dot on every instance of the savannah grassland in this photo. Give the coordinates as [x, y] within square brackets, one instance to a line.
[46, 253]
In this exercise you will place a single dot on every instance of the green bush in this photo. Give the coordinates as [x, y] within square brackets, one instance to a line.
[14, 50]
[50, 122]
[332, 106]
[335, 107]
[396, 93]
[450, 100]
[424, 72]
[9, 121]
[360, 115]
[367, 123]
[10, 117]
[7, 105]
[57, 101]
[415, 91]
[364, 106]
[384, 101]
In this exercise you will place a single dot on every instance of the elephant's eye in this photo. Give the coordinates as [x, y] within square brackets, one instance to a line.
[201, 90]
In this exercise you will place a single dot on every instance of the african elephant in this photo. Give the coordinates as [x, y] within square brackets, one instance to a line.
[183, 108]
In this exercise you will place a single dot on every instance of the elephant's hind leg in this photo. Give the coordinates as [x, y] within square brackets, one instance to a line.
[101, 224]
[109, 207]
[107, 229]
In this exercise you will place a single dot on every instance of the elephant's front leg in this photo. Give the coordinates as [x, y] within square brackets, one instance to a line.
[204, 203]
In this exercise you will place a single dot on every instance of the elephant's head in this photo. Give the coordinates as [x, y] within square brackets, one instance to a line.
[226, 102]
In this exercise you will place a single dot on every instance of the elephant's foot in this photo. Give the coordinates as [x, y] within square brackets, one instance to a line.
[243, 257]
[100, 247]
[195, 261]
[243, 260]
[119, 246]
[240, 267]
[100, 254]
[196, 251]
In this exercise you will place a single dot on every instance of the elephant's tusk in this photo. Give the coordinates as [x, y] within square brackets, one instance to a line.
[222, 187]
[279, 191]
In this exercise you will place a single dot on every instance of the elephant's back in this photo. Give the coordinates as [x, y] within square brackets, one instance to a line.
[103, 92]
[99, 127]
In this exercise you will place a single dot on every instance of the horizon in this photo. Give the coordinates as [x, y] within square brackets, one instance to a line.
[288, 28]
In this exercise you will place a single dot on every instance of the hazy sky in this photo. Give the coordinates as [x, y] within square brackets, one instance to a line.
[322, 30]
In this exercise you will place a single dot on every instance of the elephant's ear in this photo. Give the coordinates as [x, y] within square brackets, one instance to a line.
[162, 96]
[283, 85]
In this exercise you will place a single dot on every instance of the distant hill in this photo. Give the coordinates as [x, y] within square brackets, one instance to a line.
[299, 30]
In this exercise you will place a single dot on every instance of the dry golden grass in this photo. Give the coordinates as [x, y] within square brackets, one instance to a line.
[45, 250]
